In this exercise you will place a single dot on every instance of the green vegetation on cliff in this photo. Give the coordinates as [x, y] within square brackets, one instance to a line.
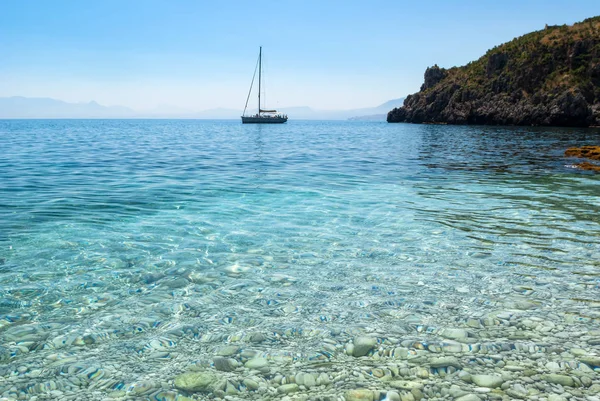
[547, 77]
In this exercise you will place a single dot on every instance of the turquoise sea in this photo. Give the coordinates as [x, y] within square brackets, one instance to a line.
[311, 260]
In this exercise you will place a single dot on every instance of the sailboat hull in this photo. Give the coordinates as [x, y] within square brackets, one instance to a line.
[263, 120]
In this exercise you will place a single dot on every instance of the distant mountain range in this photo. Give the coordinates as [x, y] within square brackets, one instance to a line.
[25, 107]
[378, 113]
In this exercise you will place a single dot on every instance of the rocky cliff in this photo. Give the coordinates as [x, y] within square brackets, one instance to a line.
[547, 77]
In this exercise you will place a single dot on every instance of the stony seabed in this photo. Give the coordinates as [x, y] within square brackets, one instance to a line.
[381, 277]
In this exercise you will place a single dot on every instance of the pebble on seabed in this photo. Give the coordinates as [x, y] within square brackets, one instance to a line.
[289, 347]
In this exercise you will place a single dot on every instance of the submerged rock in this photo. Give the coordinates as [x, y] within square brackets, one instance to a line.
[592, 361]
[589, 152]
[4, 354]
[225, 364]
[588, 166]
[195, 381]
[228, 350]
[359, 395]
[362, 345]
[454, 334]
[559, 379]
[288, 388]
[257, 363]
[406, 384]
[488, 381]
[445, 361]
[250, 384]
[468, 397]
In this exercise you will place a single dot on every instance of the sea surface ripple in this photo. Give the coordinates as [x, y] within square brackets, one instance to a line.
[132, 250]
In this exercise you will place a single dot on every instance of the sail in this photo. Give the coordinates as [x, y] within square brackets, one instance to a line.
[268, 111]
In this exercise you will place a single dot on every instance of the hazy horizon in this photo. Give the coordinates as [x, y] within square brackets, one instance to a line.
[185, 110]
[199, 56]
[18, 107]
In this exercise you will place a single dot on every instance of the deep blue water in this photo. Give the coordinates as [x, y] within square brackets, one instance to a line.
[117, 233]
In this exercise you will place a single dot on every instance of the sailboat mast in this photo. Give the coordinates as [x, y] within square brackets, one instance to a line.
[259, 73]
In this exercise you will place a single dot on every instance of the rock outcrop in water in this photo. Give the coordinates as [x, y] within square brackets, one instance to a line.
[549, 77]
[588, 152]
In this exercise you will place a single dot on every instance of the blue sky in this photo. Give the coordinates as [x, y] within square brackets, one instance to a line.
[198, 54]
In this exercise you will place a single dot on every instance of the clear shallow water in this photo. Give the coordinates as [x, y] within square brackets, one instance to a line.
[132, 250]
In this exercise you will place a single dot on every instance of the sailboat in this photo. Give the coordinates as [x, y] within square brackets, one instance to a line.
[263, 116]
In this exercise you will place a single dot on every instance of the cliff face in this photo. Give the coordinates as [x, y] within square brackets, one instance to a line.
[548, 77]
